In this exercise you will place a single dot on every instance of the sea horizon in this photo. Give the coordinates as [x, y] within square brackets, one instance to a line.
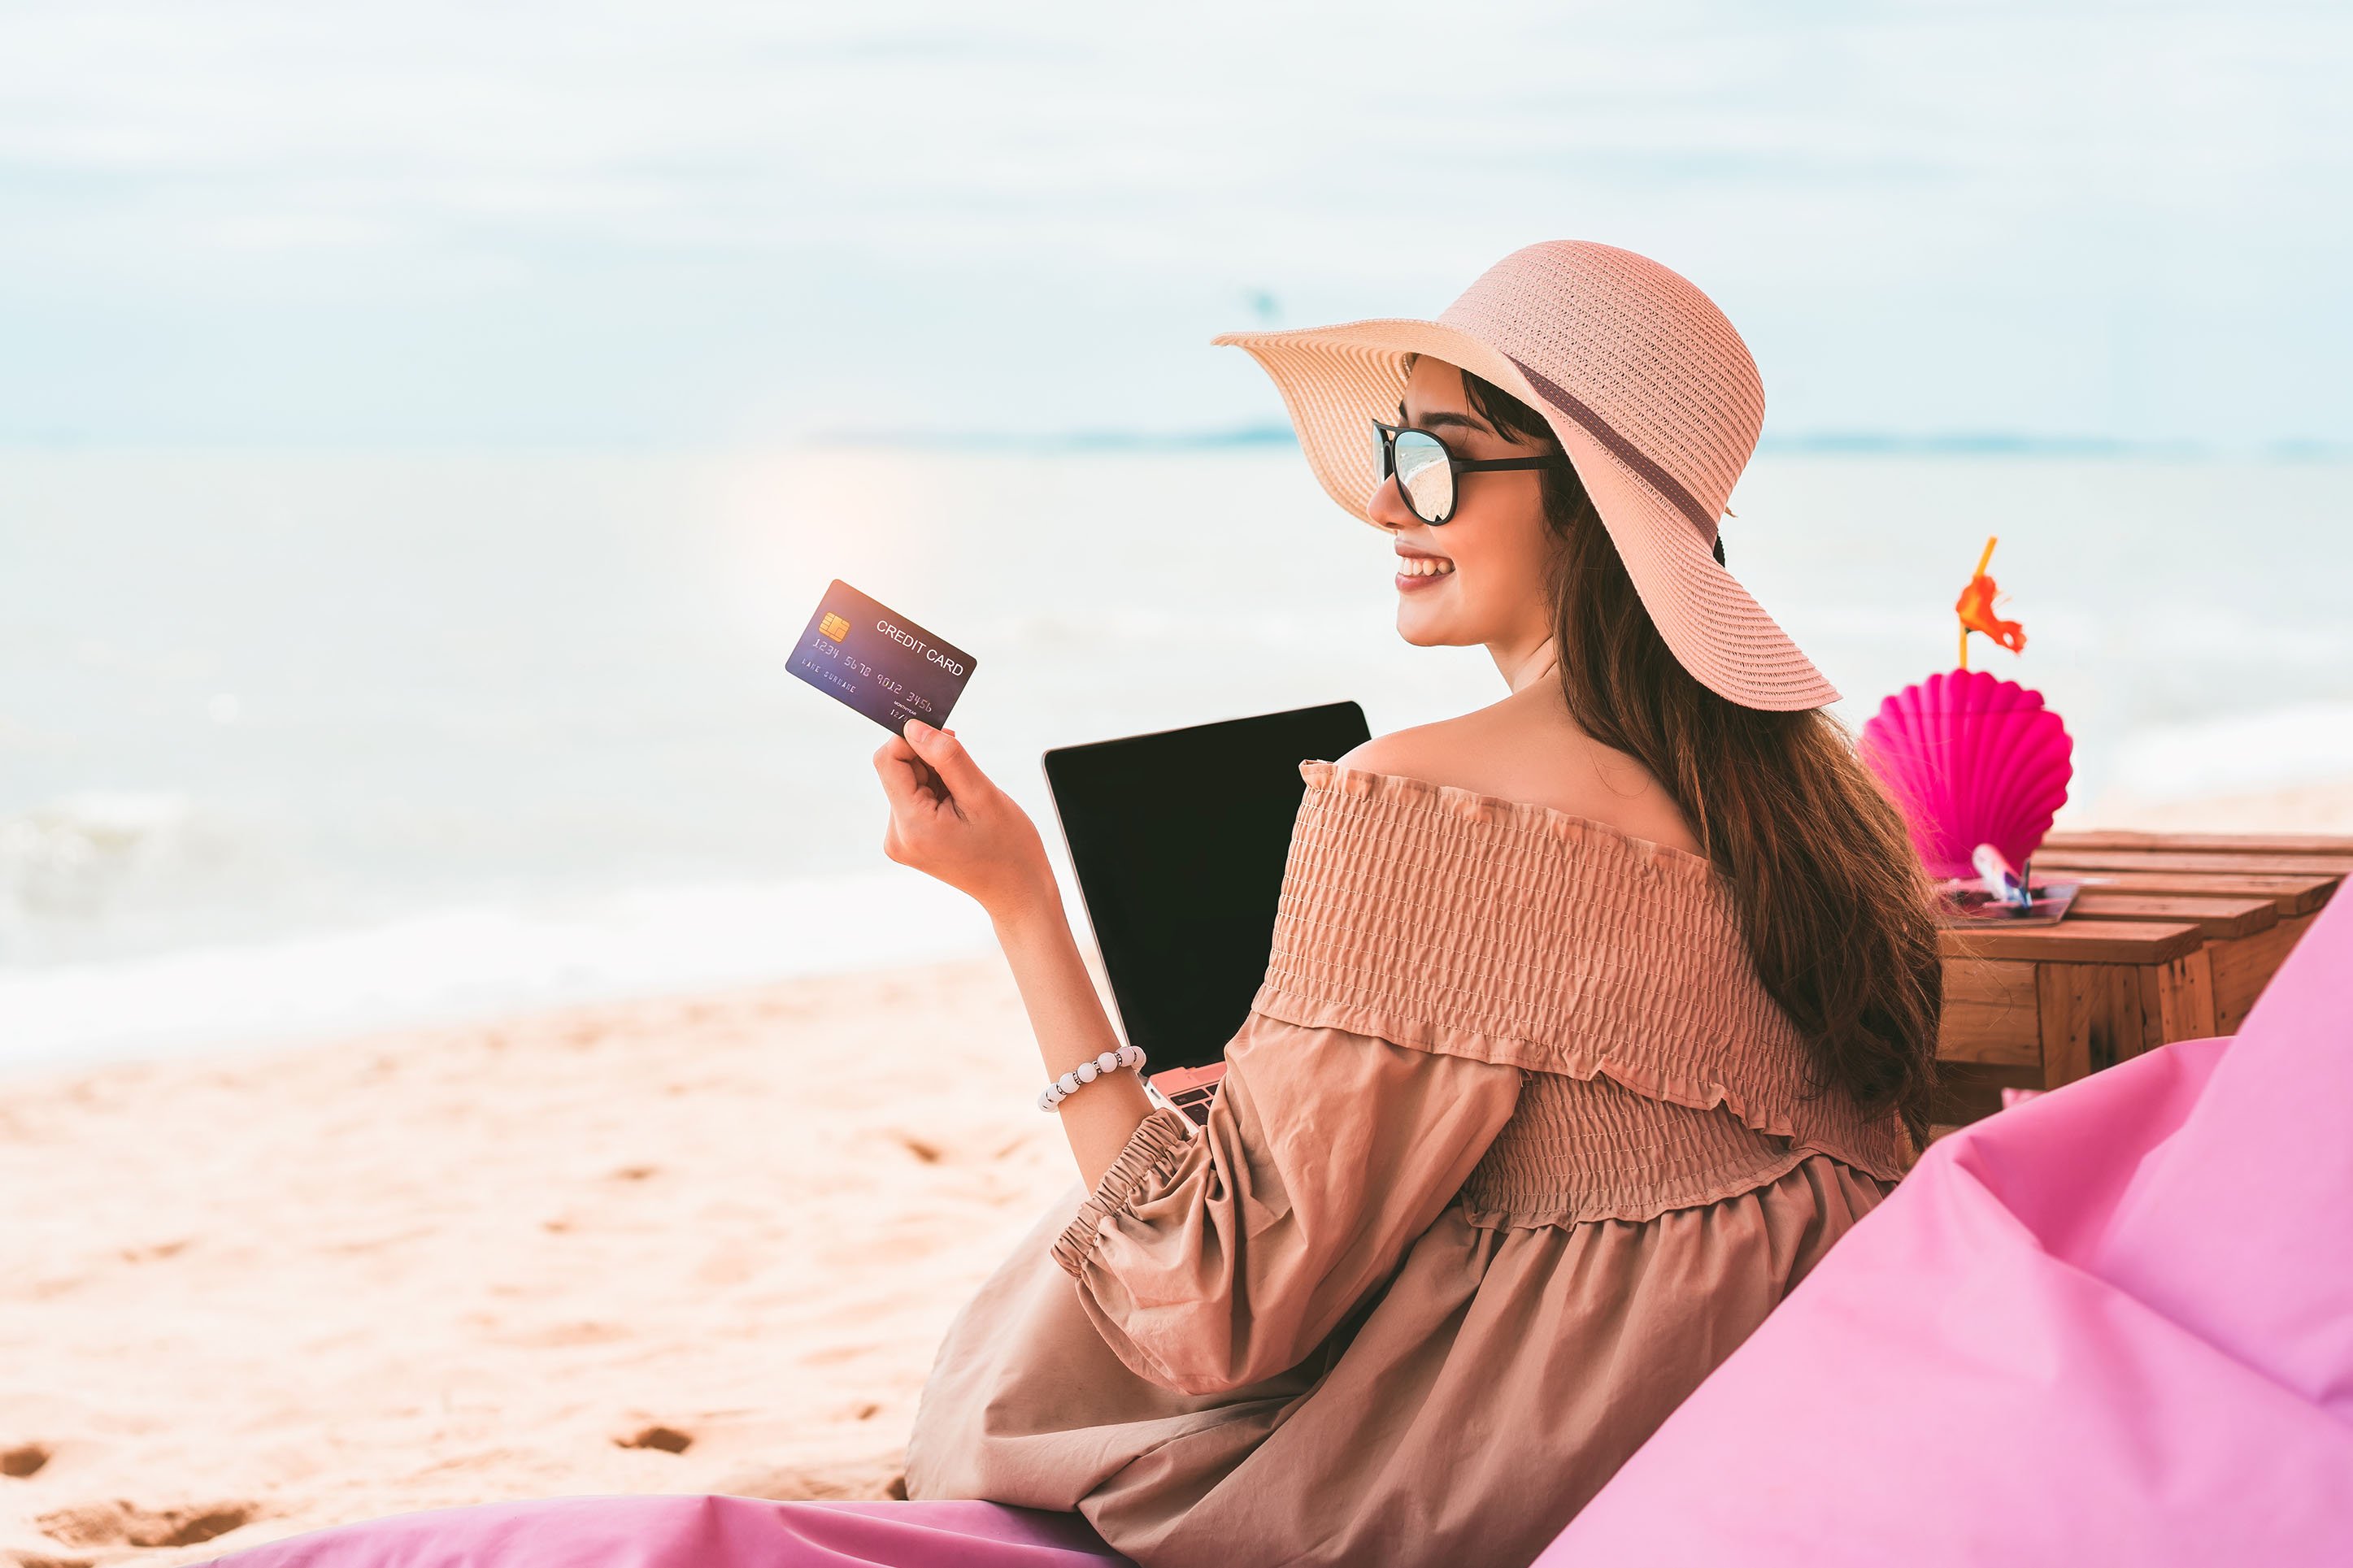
[302, 743]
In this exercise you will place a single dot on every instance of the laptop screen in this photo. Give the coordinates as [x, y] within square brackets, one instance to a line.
[1179, 840]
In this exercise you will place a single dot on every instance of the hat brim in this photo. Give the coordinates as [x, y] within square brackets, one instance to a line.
[1336, 380]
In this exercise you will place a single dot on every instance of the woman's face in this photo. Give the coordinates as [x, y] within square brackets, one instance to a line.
[1480, 578]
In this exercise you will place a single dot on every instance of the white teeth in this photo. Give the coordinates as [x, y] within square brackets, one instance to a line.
[1423, 567]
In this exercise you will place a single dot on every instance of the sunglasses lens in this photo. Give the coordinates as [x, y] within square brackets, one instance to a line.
[1424, 476]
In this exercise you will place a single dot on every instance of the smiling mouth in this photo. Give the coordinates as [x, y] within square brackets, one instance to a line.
[1421, 573]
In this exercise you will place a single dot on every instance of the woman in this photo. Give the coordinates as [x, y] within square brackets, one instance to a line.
[1594, 1017]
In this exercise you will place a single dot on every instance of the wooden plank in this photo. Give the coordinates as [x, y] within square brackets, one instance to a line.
[2214, 918]
[2064, 996]
[1989, 1014]
[2177, 1001]
[2187, 860]
[2243, 968]
[2093, 1015]
[1970, 1091]
[2075, 941]
[2211, 843]
[2289, 895]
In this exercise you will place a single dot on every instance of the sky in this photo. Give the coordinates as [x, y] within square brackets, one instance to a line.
[706, 223]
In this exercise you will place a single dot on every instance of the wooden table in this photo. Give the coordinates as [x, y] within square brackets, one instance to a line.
[2172, 938]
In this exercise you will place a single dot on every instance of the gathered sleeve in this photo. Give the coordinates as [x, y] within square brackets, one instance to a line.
[1212, 1259]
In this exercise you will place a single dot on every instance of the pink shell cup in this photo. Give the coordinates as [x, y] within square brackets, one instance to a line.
[1970, 760]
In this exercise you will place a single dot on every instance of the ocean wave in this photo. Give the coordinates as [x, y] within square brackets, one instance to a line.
[478, 962]
[84, 860]
[96, 832]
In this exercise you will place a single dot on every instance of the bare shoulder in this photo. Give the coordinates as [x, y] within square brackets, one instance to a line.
[1420, 752]
[1527, 748]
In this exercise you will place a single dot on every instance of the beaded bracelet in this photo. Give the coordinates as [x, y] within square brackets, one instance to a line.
[1068, 1084]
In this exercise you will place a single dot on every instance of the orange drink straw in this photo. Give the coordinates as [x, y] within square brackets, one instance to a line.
[1974, 607]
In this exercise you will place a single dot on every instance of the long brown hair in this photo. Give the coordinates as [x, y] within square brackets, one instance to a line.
[1832, 899]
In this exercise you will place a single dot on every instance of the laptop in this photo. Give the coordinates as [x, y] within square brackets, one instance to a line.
[1179, 840]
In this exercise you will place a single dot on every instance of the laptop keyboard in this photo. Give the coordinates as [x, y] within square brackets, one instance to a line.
[1195, 1103]
[1189, 1090]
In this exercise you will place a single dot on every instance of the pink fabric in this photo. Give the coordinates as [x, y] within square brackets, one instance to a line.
[2111, 1325]
[698, 1532]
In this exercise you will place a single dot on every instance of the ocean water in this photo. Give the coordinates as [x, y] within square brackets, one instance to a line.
[293, 744]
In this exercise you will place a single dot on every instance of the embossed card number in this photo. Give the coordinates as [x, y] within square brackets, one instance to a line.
[870, 658]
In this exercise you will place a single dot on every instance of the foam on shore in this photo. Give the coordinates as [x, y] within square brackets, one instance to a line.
[479, 962]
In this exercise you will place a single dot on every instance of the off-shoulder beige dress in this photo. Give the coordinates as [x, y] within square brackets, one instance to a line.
[1512, 1151]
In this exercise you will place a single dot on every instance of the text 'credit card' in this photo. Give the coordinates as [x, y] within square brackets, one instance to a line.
[867, 657]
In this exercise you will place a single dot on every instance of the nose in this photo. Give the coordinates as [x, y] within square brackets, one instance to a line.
[1387, 507]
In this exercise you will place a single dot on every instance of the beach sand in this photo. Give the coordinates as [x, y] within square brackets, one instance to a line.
[689, 1245]
[524, 1259]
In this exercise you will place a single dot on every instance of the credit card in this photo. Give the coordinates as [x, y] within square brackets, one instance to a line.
[869, 657]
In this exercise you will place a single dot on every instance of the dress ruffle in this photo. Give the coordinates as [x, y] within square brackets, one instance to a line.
[1510, 932]
[1512, 1151]
[1152, 1148]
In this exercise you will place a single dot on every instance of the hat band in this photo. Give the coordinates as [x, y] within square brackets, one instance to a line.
[1625, 451]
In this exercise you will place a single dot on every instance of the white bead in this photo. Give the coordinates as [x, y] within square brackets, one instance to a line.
[1086, 1072]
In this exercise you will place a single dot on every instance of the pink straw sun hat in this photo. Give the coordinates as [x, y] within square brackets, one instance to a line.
[1652, 394]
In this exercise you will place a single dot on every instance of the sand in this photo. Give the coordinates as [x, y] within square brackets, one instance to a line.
[693, 1245]
[700, 1244]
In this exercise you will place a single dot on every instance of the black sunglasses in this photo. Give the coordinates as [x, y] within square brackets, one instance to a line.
[1428, 473]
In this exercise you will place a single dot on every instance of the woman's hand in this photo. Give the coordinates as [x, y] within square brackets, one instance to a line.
[948, 821]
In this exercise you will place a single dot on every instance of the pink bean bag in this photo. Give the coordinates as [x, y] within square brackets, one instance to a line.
[2111, 1325]
[698, 1532]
